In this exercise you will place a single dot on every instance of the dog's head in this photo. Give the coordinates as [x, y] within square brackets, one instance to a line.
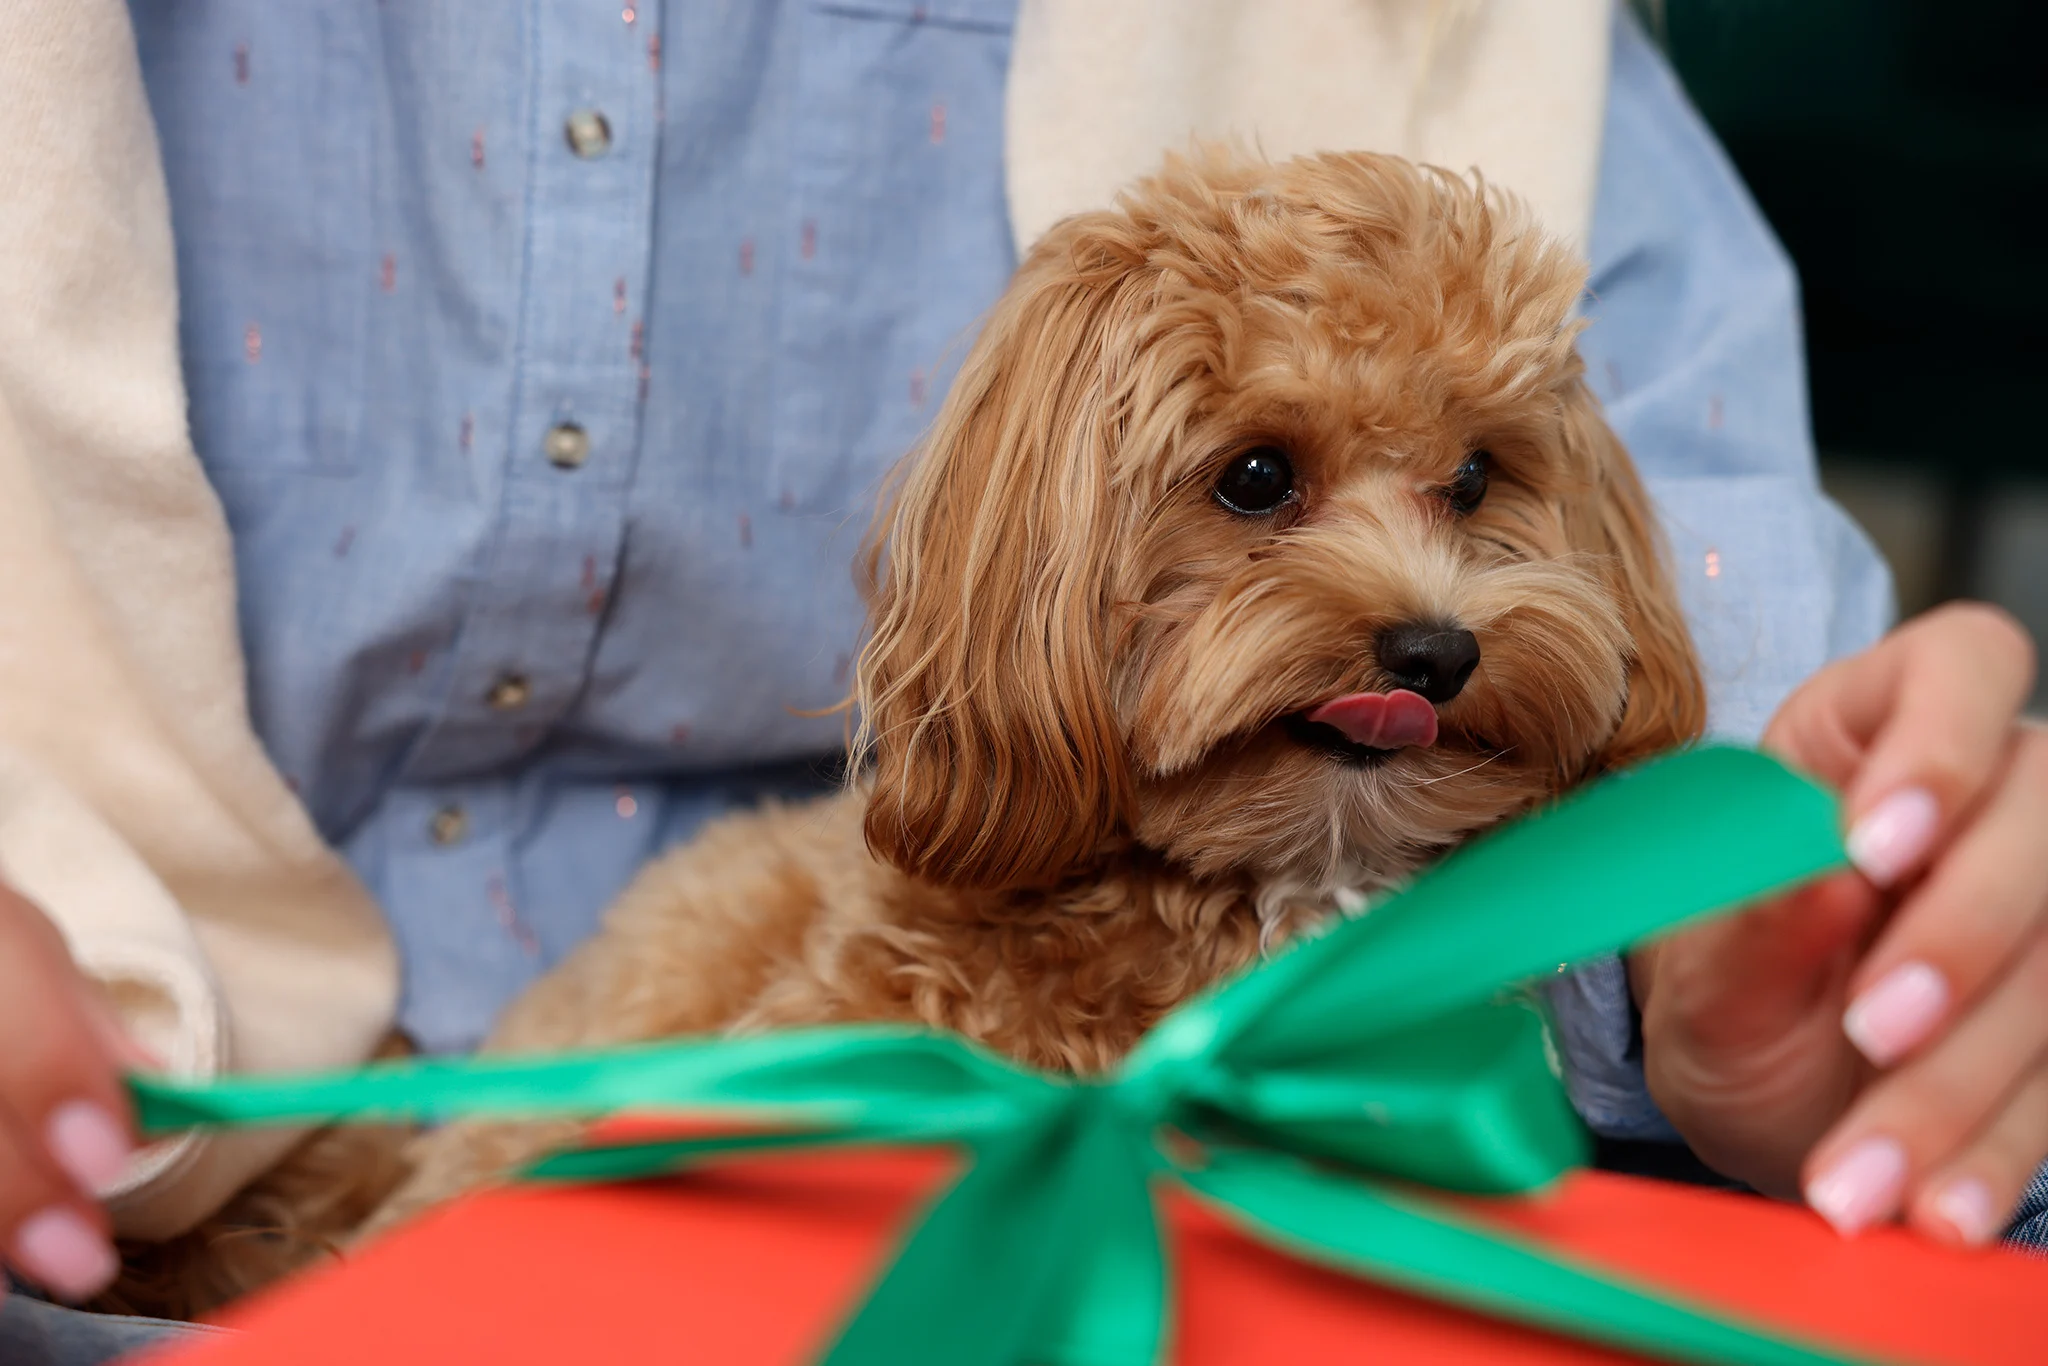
[1270, 526]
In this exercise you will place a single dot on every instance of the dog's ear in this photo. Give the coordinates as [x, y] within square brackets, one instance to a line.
[1667, 699]
[986, 722]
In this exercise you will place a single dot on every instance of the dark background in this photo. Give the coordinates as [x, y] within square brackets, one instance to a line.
[1900, 150]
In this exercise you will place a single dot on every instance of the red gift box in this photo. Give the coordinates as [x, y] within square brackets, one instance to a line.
[758, 1262]
[1383, 1046]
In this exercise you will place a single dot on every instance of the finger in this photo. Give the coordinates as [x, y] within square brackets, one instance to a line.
[1926, 1111]
[1915, 729]
[55, 1077]
[45, 1233]
[1936, 712]
[1809, 731]
[1970, 1199]
[1984, 900]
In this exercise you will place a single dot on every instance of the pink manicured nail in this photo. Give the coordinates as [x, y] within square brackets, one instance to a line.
[1894, 835]
[1965, 1206]
[64, 1254]
[122, 1046]
[88, 1144]
[1862, 1187]
[1895, 1014]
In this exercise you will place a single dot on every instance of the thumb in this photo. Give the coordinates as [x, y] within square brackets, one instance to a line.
[1747, 980]
[121, 1048]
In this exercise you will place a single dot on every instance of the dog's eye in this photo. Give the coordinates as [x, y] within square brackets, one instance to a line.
[1256, 482]
[1467, 489]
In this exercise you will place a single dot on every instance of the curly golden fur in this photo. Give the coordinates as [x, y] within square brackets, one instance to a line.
[1084, 792]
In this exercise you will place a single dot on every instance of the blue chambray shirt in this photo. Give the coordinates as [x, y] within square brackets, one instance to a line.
[546, 357]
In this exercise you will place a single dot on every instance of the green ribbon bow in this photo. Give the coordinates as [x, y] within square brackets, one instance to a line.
[1306, 1100]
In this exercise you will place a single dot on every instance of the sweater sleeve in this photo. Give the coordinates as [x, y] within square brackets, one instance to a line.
[137, 808]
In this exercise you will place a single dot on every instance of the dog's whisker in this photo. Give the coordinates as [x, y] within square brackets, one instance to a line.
[1446, 777]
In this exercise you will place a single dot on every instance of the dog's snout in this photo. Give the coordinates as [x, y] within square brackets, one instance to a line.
[1429, 658]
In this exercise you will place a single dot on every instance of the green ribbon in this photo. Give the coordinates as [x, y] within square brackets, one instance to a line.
[1311, 1101]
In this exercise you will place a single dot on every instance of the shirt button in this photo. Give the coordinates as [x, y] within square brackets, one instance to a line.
[448, 826]
[567, 445]
[589, 133]
[509, 693]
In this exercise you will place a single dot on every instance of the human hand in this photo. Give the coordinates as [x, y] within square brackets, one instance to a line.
[64, 1117]
[1879, 1041]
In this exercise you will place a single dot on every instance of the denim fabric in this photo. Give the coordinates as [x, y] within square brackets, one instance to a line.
[2030, 1222]
[34, 1332]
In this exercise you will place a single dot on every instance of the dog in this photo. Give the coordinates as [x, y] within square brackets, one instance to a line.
[1269, 545]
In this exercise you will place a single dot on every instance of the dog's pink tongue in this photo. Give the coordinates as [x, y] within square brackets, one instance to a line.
[1381, 720]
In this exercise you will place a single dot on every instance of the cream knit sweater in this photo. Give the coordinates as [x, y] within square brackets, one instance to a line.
[137, 807]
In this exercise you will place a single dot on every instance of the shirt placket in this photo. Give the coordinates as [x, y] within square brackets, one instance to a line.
[573, 429]
[542, 582]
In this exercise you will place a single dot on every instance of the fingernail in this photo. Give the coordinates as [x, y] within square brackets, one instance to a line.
[1862, 1186]
[65, 1255]
[1965, 1206]
[1893, 835]
[122, 1046]
[1895, 1014]
[88, 1144]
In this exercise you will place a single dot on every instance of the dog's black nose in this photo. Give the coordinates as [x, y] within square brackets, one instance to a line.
[1430, 659]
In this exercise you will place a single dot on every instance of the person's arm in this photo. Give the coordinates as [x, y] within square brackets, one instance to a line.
[145, 840]
[1693, 343]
